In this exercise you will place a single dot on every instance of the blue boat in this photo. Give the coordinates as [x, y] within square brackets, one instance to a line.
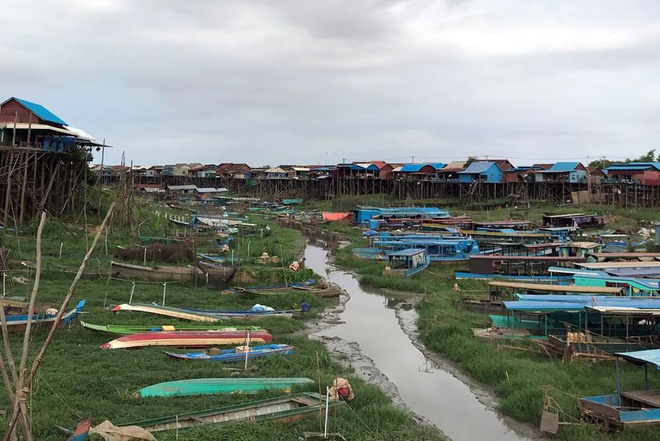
[439, 250]
[407, 262]
[622, 410]
[17, 323]
[235, 355]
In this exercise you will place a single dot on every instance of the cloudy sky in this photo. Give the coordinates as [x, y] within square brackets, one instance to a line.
[326, 81]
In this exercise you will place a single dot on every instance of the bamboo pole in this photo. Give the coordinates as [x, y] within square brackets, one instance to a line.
[17, 398]
[39, 358]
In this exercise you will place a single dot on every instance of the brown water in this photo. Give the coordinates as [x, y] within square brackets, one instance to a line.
[427, 390]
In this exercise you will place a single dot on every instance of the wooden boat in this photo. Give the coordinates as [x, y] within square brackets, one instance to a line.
[18, 323]
[626, 409]
[407, 262]
[324, 290]
[219, 259]
[217, 276]
[188, 339]
[286, 408]
[328, 291]
[243, 315]
[81, 431]
[161, 273]
[212, 386]
[237, 354]
[166, 311]
[277, 287]
[119, 330]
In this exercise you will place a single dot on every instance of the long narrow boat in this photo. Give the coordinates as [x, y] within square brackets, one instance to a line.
[119, 330]
[188, 339]
[212, 386]
[248, 314]
[235, 354]
[166, 311]
[161, 273]
[217, 276]
[18, 323]
[286, 408]
[278, 287]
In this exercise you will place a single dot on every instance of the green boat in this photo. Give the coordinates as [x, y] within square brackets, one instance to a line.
[284, 409]
[120, 330]
[210, 386]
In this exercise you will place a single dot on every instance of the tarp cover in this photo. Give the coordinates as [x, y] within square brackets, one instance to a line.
[110, 432]
[329, 216]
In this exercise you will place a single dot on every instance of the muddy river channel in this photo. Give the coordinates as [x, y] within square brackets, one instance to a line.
[375, 333]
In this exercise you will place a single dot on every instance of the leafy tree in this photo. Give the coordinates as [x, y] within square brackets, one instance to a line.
[470, 160]
[601, 163]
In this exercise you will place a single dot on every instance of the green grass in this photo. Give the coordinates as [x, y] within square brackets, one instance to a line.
[518, 378]
[79, 379]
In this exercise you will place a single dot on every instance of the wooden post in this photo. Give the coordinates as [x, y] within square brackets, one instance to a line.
[26, 381]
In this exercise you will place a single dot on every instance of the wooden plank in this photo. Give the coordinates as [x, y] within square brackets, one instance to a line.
[650, 397]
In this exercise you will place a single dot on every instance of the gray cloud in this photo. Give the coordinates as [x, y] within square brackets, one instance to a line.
[312, 82]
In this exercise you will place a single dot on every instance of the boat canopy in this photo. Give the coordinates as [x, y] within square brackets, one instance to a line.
[541, 307]
[556, 288]
[651, 356]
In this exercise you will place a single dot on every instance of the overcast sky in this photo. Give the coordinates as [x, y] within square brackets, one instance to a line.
[320, 81]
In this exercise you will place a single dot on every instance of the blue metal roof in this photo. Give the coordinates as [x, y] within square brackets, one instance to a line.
[411, 168]
[415, 168]
[534, 306]
[41, 111]
[478, 167]
[527, 301]
[407, 252]
[561, 167]
[634, 166]
[650, 356]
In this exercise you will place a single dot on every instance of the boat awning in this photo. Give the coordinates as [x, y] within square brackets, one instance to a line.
[407, 252]
[651, 356]
[645, 302]
[613, 265]
[635, 272]
[543, 307]
[26, 126]
[557, 288]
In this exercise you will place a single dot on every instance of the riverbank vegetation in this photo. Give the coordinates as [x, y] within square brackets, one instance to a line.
[78, 379]
[521, 379]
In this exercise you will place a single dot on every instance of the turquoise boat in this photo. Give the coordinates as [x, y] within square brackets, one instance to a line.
[211, 386]
[407, 262]
[286, 408]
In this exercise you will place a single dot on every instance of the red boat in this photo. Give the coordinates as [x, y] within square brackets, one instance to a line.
[188, 339]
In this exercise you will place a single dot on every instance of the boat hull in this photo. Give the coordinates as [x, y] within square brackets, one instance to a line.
[188, 339]
[162, 273]
[120, 330]
[287, 408]
[212, 386]
[234, 355]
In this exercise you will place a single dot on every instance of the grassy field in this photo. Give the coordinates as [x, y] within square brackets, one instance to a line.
[520, 379]
[79, 379]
